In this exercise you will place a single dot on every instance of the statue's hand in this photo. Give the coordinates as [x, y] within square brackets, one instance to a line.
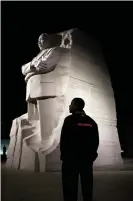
[26, 68]
[33, 62]
[36, 60]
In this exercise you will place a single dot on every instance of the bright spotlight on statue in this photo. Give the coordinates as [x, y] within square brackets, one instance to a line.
[70, 64]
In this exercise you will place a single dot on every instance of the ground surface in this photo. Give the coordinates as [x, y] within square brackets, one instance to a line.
[27, 186]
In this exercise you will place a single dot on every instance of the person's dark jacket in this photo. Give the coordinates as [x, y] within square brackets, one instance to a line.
[79, 138]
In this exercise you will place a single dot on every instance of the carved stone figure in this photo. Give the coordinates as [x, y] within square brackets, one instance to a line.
[69, 64]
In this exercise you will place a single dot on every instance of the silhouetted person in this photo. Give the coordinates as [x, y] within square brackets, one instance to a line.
[4, 150]
[78, 145]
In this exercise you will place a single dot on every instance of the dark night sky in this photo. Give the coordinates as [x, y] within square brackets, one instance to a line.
[23, 22]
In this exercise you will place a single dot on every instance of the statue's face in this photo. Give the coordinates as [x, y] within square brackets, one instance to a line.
[41, 41]
[48, 41]
[43, 44]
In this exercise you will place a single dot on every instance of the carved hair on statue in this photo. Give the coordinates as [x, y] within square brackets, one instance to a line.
[42, 36]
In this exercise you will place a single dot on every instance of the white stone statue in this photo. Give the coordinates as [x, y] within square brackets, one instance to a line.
[69, 65]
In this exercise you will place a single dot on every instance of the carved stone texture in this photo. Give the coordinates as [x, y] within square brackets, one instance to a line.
[73, 68]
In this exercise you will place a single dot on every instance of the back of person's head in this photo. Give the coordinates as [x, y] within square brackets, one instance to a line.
[77, 104]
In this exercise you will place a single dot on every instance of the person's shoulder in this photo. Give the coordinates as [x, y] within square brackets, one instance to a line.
[91, 120]
[68, 117]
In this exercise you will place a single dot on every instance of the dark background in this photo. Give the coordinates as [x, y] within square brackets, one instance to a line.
[110, 22]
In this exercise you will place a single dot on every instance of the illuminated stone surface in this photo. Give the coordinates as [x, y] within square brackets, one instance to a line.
[74, 70]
